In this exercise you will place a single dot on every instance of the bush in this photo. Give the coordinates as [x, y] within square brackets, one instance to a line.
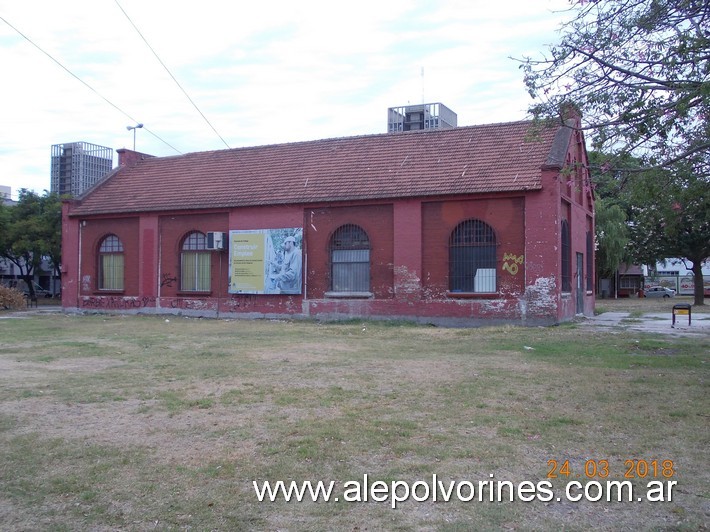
[10, 298]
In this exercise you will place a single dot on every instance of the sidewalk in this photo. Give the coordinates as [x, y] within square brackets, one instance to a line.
[653, 322]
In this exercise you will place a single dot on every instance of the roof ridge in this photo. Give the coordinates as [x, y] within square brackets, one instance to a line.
[497, 157]
[343, 138]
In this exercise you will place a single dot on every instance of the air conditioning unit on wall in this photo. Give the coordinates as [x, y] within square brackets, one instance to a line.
[216, 240]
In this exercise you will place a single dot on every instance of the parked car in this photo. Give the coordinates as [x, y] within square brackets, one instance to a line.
[659, 291]
[39, 291]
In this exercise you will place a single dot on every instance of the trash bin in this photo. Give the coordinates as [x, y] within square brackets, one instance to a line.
[681, 309]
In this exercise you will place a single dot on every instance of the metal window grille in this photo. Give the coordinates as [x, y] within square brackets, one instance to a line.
[472, 257]
[566, 263]
[111, 263]
[111, 244]
[195, 242]
[195, 264]
[350, 259]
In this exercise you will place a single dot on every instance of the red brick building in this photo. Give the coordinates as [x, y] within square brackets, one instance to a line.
[463, 226]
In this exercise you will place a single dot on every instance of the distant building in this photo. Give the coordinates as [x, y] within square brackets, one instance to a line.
[676, 274]
[6, 195]
[421, 116]
[77, 166]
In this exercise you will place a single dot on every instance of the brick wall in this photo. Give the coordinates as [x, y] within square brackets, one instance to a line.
[375, 220]
[409, 260]
[92, 233]
[506, 216]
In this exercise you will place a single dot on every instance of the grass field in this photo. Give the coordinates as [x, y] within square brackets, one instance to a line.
[148, 423]
[646, 305]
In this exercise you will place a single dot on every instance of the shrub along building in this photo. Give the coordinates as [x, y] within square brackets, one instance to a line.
[460, 226]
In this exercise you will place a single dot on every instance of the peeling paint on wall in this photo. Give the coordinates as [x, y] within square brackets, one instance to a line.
[540, 300]
[240, 302]
[191, 304]
[407, 283]
[493, 306]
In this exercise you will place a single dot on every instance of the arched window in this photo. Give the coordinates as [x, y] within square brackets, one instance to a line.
[195, 264]
[472, 257]
[111, 263]
[566, 264]
[350, 259]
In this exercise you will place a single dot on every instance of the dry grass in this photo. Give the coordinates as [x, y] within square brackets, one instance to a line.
[10, 298]
[110, 422]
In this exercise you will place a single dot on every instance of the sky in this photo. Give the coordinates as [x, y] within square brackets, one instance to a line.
[213, 74]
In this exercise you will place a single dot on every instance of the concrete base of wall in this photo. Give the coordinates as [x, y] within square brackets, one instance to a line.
[324, 317]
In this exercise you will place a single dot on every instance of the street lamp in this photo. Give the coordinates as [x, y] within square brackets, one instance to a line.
[137, 126]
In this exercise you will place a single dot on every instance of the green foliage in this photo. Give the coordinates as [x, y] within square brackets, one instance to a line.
[30, 230]
[612, 234]
[671, 213]
[668, 213]
[639, 72]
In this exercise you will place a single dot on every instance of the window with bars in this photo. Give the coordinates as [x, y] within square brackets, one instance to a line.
[195, 264]
[111, 261]
[472, 258]
[350, 259]
[565, 258]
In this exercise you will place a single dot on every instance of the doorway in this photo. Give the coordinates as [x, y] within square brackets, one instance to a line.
[580, 283]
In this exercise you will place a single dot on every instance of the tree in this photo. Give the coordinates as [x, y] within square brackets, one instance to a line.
[639, 72]
[671, 213]
[30, 230]
[665, 214]
[612, 234]
[51, 222]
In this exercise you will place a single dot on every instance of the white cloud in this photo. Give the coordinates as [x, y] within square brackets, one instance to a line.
[262, 72]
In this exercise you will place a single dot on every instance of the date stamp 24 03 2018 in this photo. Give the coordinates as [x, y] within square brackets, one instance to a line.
[632, 468]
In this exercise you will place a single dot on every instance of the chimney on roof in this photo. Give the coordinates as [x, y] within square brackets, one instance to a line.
[570, 112]
[128, 157]
[420, 116]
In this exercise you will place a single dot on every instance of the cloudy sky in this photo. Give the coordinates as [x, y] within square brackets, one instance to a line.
[250, 73]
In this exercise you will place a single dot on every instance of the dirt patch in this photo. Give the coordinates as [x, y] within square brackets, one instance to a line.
[16, 370]
[186, 437]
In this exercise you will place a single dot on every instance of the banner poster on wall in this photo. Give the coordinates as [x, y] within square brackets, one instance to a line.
[266, 261]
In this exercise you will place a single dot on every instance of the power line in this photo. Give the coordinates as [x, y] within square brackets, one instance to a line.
[85, 83]
[171, 74]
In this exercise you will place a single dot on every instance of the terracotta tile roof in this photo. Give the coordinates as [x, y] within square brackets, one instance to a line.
[630, 269]
[473, 159]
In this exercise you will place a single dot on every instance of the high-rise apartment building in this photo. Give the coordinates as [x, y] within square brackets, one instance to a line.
[77, 166]
[420, 116]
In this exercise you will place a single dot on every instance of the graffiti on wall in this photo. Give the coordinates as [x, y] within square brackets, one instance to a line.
[167, 280]
[511, 262]
[117, 302]
[189, 304]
